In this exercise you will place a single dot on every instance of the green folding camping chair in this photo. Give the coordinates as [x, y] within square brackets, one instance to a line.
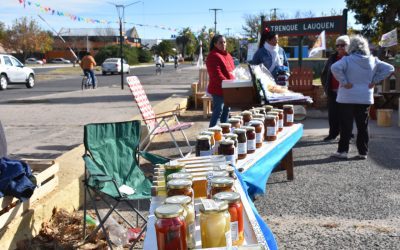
[112, 171]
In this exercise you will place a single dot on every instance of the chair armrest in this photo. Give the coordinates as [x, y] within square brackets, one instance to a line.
[195, 87]
[170, 111]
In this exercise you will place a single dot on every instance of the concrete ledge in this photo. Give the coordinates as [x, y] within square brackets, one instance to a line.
[69, 193]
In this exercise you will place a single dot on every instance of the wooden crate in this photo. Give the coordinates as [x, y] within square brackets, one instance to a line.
[45, 172]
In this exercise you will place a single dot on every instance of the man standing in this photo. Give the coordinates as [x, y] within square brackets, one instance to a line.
[87, 64]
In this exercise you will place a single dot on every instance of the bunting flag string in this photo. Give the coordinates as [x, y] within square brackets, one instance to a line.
[73, 17]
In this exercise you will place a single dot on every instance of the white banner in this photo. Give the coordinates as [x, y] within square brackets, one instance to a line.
[389, 39]
[319, 46]
[251, 50]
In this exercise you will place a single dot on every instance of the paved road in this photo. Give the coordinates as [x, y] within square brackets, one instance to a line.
[48, 120]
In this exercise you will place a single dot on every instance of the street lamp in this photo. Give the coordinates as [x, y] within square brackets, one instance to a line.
[121, 17]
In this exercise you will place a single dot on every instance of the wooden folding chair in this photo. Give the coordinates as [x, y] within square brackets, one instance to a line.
[166, 122]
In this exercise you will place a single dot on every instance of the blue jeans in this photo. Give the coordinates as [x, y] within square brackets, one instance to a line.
[220, 111]
[90, 73]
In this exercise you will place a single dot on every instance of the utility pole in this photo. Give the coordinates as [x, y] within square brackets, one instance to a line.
[215, 19]
[228, 31]
[121, 17]
[273, 17]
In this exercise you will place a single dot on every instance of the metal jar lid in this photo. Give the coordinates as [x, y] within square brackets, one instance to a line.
[270, 117]
[206, 132]
[246, 112]
[178, 199]
[215, 128]
[179, 183]
[221, 206]
[226, 124]
[222, 182]
[230, 197]
[231, 136]
[287, 106]
[227, 142]
[256, 122]
[203, 138]
[180, 175]
[239, 131]
[249, 128]
[168, 211]
[277, 110]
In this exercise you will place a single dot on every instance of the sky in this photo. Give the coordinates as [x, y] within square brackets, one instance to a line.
[159, 19]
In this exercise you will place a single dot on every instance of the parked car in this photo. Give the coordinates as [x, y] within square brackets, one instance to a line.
[33, 60]
[60, 60]
[113, 65]
[13, 71]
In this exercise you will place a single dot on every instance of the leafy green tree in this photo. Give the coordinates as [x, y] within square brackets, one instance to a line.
[164, 48]
[187, 41]
[145, 55]
[252, 26]
[2, 31]
[376, 16]
[131, 54]
[26, 37]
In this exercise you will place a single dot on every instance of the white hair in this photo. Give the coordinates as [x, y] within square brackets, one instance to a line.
[344, 39]
[359, 45]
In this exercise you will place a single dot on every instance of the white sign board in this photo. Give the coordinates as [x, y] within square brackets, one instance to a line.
[251, 50]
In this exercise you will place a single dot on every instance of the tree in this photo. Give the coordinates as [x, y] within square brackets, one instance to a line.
[164, 49]
[26, 37]
[131, 54]
[187, 41]
[376, 16]
[252, 26]
[2, 31]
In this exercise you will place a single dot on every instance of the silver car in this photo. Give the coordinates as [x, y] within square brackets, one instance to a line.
[13, 71]
[33, 60]
[113, 65]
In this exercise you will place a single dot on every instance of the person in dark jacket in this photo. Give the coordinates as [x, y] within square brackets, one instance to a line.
[331, 86]
[220, 67]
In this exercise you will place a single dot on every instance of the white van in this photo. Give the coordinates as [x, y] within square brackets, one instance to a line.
[13, 71]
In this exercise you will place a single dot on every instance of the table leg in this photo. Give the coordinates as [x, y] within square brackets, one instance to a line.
[287, 164]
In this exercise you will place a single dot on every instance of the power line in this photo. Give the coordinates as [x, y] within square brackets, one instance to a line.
[215, 19]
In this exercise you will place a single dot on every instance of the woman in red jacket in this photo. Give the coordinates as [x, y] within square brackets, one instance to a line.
[219, 67]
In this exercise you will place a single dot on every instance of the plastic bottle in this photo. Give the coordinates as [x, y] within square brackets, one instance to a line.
[116, 231]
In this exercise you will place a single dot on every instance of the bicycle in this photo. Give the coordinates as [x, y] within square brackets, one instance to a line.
[158, 69]
[87, 81]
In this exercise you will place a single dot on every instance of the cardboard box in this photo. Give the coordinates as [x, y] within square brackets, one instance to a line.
[239, 93]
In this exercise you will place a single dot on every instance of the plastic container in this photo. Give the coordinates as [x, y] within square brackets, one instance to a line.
[384, 117]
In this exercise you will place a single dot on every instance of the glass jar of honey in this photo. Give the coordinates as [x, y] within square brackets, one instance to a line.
[288, 115]
[221, 184]
[172, 168]
[251, 139]
[259, 129]
[247, 116]
[170, 227]
[214, 224]
[235, 208]
[271, 127]
[203, 145]
[188, 214]
[226, 127]
[180, 187]
[242, 142]
[228, 150]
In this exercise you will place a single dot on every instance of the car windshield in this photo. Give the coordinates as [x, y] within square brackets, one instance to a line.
[112, 60]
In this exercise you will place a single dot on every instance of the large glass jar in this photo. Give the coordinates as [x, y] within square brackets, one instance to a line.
[215, 225]
[251, 139]
[234, 138]
[203, 145]
[271, 127]
[247, 116]
[280, 121]
[228, 150]
[276, 114]
[189, 214]
[242, 143]
[288, 115]
[180, 187]
[217, 137]
[259, 129]
[221, 184]
[226, 127]
[235, 123]
[214, 174]
[236, 212]
[211, 135]
[170, 227]
[261, 110]
[172, 168]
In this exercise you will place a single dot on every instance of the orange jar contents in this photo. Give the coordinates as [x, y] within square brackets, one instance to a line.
[217, 137]
[242, 143]
[271, 127]
[170, 227]
[247, 116]
[259, 129]
[226, 127]
[180, 187]
[228, 150]
[221, 184]
[288, 115]
[236, 212]
[251, 139]
[203, 145]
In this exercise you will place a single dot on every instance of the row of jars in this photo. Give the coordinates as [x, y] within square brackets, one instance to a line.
[221, 222]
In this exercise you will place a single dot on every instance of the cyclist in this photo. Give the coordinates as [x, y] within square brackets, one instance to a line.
[159, 61]
[176, 62]
[87, 64]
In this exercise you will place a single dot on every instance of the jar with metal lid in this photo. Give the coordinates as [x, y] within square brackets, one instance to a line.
[221, 184]
[203, 145]
[259, 129]
[217, 137]
[239, 117]
[188, 214]
[242, 142]
[180, 175]
[247, 116]
[261, 110]
[251, 139]
[228, 150]
[276, 114]
[180, 187]
[235, 208]
[172, 168]
[214, 224]
[268, 108]
[214, 174]
[170, 227]
[280, 121]
[288, 115]
[226, 127]
[234, 138]
[271, 127]
[235, 122]
[211, 135]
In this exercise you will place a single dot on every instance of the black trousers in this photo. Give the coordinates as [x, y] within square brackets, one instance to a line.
[358, 112]
[333, 115]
